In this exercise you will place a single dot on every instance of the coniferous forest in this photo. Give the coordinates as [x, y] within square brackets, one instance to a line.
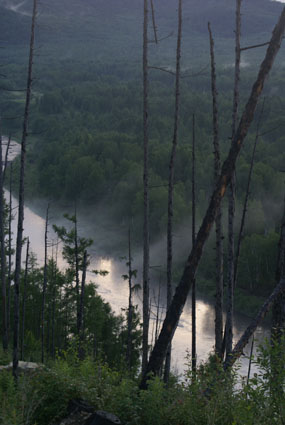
[164, 120]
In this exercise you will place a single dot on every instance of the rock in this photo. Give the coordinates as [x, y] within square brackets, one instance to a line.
[103, 418]
[81, 413]
[22, 367]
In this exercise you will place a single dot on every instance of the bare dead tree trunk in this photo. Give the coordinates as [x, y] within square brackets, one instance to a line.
[130, 309]
[219, 229]
[238, 349]
[194, 353]
[21, 197]
[240, 236]
[54, 275]
[157, 311]
[77, 283]
[146, 193]
[6, 158]
[250, 360]
[231, 210]
[175, 309]
[44, 288]
[3, 253]
[153, 21]
[24, 301]
[9, 254]
[81, 308]
[171, 181]
[278, 316]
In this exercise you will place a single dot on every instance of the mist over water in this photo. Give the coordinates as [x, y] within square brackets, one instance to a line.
[114, 289]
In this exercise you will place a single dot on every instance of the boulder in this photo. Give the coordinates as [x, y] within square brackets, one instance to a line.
[81, 413]
[22, 367]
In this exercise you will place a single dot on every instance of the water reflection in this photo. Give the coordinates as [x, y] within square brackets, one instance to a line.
[115, 291]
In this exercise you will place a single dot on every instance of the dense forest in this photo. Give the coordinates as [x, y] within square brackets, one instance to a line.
[152, 147]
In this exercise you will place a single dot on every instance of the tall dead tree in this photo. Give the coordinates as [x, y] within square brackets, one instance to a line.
[3, 253]
[247, 193]
[194, 350]
[9, 253]
[6, 158]
[278, 316]
[81, 352]
[231, 209]
[54, 282]
[243, 341]
[21, 197]
[171, 179]
[24, 301]
[44, 287]
[219, 229]
[175, 309]
[146, 192]
[130, 308]
[76, 258]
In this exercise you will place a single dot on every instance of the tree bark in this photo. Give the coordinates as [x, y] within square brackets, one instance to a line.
[21, 198]
[24, 301]
[153, 21]
[81, 308]
[231, 209]
[238, 349]
[3, 254]
[130, 309]
[194, 353]
[171, 181]
[146, 193]
[9, 254]
[219, 229]
[6, 158]
[182, 290]
[278, 316]
[240, 236]
[44, 288]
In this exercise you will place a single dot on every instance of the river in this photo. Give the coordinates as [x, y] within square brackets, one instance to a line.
[115, 291]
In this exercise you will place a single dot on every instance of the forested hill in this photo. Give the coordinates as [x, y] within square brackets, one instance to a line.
[111, 27]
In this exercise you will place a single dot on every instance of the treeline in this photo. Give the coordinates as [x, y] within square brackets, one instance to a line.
[87, 139]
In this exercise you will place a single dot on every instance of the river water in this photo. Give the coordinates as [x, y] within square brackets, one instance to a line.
[115, 291]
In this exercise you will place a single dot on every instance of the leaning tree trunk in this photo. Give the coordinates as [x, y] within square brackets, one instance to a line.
[171, 180]
[9, 254]
[146, 193]
[182, 290]
[24, 301]
[44, 289]
[243, 341]
[3, 254]
[219, 229]
[231, 209]
[21, 198]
